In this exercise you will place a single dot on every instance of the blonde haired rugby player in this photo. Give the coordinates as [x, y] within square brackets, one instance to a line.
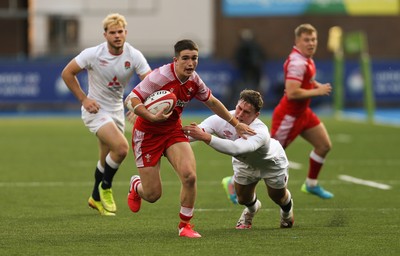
[110, 66]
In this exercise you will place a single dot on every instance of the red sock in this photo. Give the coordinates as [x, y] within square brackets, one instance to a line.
[314, 169]
[185, 218]
[136, 184]
[316, 163]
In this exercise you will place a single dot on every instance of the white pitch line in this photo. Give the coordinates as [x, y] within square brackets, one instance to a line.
[294, 165]
[18, 184]
[335, 209]
[365, 182]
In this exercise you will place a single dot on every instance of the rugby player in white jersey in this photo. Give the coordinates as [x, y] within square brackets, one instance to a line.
[259, 157]
[110, 67]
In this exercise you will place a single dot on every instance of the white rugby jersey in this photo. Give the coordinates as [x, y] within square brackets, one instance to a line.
[259, 152]
[109, 74]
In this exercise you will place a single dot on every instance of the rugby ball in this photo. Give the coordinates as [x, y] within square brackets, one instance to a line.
[159, 100]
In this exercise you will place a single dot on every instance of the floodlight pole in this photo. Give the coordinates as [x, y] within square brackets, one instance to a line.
[335, 44]
[356, 42]
[365, 63]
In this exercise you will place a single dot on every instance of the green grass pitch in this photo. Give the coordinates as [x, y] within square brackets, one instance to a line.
[46, 178]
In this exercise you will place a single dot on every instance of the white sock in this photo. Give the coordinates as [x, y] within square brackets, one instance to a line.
[111, 162]
[253, 208]
[311, 182]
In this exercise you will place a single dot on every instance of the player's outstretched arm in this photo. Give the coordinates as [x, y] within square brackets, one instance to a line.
[229, 147]
[219, 109]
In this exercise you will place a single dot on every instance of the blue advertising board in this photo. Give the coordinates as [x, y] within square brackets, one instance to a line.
[34, 82]
[385, 79]
[40, 82]
[251, 8]
[263, 7]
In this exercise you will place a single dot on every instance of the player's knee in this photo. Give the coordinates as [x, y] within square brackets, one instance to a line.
[240, 200]
[329, 146]
[122, 150]
[243, 200]
[326, 147]
[323, 149]
[189, 179]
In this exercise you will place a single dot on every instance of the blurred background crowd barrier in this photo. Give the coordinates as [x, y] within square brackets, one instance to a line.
[31, 85]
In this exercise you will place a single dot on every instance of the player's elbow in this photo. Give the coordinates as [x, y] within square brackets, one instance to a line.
[292, 95]
[64, 74]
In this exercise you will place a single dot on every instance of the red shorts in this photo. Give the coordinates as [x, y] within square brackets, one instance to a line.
[149, 147]
[286, 128]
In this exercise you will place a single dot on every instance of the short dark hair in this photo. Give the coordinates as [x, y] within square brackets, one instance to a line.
[252, 97]
[185, 44]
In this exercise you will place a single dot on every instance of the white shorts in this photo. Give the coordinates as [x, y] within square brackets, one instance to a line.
[95, 121]
[245, 175]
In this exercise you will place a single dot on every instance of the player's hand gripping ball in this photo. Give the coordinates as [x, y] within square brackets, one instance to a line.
[159, 100]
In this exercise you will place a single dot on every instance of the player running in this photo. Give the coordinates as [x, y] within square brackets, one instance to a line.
[155, 135]
[110, 67]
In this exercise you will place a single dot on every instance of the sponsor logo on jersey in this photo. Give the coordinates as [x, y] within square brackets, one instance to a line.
[114, 85]
[181, 103]
[227, 134]
[190, 90]
[103, 62]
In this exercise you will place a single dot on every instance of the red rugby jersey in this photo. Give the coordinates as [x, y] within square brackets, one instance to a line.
[302, 69]
[164, 78]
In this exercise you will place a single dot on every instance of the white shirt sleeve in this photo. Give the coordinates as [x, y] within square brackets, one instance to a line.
[86, 57]
[207, 125]
[237, 147]
[212, 124]
[240, 146]
[139, 61]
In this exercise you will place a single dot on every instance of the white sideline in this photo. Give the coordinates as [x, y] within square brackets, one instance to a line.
[18, 184]
[365, 182]
[294, 165]
[274, 209]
